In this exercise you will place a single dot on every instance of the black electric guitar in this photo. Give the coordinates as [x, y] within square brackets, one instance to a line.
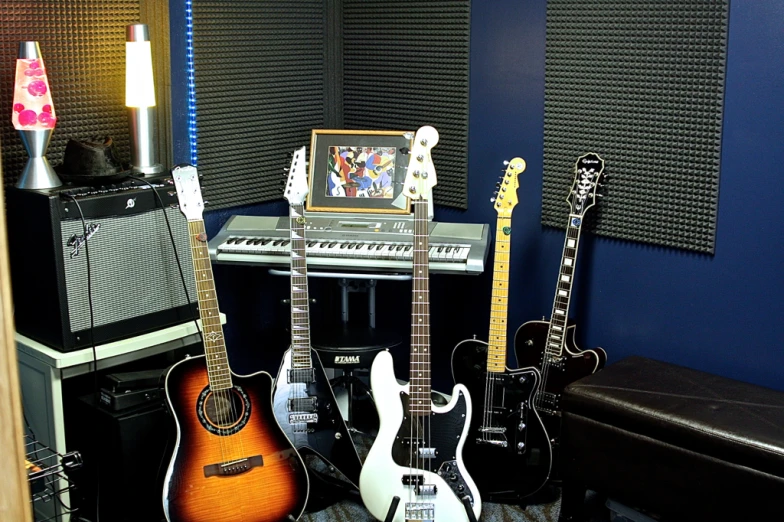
[506, 429]
[549, 345]
[231, 461]
[304, 403]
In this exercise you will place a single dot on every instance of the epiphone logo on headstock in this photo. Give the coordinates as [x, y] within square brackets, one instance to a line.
[586, 160]
[77, 241]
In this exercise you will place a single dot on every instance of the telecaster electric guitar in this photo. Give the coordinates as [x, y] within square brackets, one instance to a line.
[231, 461]
[549, 345]
[418, 453]
[507, 430]
[304, 403]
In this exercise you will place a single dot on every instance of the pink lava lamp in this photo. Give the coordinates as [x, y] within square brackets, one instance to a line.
[34, 117]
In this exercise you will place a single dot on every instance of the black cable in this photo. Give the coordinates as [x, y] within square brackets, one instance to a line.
[176, 254]
[92, 344]
[29, 427]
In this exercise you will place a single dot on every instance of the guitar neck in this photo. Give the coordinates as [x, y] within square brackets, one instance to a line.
[212, 331]
[496, 351]
[420, 315]
[556, 334]
[300, 301]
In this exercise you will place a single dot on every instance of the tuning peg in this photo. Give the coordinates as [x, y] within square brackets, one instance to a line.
[498, 185]
[492, 200]
[506, 162]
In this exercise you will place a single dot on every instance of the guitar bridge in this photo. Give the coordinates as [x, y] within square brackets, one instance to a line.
[235, 467]
[303, 418]
[420, 512]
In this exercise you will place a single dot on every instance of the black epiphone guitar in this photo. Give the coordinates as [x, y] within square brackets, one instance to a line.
[304, 403]
[506, 430]
[549, 345]
[231, 461]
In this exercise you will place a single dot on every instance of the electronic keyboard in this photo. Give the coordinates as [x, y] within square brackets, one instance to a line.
[351, 242]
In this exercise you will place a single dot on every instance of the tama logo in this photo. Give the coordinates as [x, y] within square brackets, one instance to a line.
[347, 359]
[77, 241]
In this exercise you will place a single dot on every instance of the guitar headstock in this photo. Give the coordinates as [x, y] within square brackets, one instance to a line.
[297, 185]
[421, 174]
[588, 176]
[186, 181]
[506, 196]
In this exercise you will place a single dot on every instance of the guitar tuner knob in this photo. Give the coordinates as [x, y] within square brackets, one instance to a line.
[492, 200]
[506, 162]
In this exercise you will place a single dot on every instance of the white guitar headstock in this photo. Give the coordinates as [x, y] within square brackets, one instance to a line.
[421, 173]
[186, 181]
[297, 184]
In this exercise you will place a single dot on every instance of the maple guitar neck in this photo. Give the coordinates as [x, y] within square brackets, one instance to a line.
[212, 331]
[499, 308]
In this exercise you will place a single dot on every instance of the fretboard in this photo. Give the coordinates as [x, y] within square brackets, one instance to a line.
[563, 290]
[496, 351]
[300, 310]
[420, 315]
[212, 331]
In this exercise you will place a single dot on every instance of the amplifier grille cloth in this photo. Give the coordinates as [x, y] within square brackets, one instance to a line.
[405, 64]
[132, 267]
[83, 47]
[642, 84]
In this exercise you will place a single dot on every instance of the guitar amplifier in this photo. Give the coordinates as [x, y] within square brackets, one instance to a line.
[135, 283]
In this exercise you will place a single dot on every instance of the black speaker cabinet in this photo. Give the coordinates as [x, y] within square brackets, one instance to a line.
[134, 280]
[127, 452]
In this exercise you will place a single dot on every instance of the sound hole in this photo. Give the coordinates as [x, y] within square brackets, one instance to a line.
[223, 412]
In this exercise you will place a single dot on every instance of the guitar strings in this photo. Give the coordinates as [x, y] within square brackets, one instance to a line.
[198, 266]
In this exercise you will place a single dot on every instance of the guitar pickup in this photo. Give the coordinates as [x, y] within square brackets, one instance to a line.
[426, 489]
[304, 404]
[302, 375]
[306, 418]
[413, 480]
[492, 429]
[235, 467]
[427, 453]
[420, 512]
[498, 443]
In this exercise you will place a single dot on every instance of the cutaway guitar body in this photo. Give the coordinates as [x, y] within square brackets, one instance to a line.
[231, 461]
[572, 364]
[510, 433]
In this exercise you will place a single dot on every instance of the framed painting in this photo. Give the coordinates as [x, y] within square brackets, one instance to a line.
[358, 171]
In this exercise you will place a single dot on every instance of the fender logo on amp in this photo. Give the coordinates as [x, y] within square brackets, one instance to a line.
[77, 241]
[347, 359]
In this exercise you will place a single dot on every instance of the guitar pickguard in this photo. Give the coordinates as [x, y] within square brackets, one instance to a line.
[431, 443]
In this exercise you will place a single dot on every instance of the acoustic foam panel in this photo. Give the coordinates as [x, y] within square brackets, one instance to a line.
[405, 64]
[268, 72]
[642, 84]
[83, 47]
[259, 70]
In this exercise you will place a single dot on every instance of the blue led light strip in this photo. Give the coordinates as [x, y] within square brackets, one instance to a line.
[191, 81]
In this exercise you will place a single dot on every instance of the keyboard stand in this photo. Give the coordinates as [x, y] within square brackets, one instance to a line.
[351, 349]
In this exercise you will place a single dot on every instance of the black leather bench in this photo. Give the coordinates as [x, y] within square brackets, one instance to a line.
[673, 442]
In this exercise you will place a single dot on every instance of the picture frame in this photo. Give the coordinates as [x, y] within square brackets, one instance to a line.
[358, 171]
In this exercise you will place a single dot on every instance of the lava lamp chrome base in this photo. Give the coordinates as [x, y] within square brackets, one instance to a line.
[144, 151]
[38, 173]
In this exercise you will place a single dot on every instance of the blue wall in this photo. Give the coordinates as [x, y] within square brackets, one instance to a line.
[714, 313]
